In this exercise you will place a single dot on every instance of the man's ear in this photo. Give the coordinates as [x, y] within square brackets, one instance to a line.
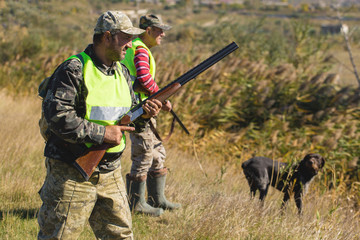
[148, 30]
[107, 36]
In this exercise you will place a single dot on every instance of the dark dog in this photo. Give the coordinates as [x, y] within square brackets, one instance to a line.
[260, 172]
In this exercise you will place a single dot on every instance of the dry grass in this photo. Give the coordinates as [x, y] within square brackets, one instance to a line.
[215, 197]
[218, 207]
[22, 170]
[21, 148]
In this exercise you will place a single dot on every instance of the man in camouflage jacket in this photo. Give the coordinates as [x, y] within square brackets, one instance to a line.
[68, 199]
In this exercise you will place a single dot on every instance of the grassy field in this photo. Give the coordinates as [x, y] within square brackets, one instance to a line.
[215, 197]
[276, 96]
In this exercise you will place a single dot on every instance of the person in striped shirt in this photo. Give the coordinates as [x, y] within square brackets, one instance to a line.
[147, 151]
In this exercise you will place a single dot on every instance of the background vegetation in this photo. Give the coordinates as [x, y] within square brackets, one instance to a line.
[276, 96]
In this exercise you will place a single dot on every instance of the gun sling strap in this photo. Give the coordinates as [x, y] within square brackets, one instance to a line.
[156, 133]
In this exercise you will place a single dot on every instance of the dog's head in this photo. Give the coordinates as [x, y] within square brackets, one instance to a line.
[313, 163]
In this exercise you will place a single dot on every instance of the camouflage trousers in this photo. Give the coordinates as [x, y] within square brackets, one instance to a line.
[147, 152]
[69, 201]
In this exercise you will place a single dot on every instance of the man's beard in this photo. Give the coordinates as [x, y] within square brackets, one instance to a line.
[115, 54]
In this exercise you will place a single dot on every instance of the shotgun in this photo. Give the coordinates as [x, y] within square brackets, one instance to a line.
[87, 163]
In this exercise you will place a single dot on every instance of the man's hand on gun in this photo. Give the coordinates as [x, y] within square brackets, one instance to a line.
[167, 106]
[152, 108]
[113, 133]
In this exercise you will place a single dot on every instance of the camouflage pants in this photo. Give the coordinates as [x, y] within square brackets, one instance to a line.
[147, 152]
[69, 201]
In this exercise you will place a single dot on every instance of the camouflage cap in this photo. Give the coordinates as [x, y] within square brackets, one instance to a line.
[115, 21]
[152, 20]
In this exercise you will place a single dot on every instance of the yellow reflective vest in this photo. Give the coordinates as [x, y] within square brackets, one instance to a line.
[108, 96]
[129, 62]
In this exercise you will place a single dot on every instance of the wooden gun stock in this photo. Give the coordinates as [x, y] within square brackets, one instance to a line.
[163, 95]
[87, 163]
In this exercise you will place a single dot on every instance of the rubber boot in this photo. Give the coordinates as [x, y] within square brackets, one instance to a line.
[156, 185]
[136, 191]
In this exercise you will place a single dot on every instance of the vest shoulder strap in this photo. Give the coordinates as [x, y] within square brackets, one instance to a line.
[80, 57]
[126, 75]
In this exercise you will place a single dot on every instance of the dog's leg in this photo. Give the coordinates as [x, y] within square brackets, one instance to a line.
[253, 189]
[285, 200]
[263, 193]
[298, 201]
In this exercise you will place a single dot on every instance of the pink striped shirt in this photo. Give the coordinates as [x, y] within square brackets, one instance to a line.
[142, 65]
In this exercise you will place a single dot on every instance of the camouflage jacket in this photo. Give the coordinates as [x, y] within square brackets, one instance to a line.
[64, 109]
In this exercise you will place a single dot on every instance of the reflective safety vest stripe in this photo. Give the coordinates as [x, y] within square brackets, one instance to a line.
[108, 96]
[129, 62]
